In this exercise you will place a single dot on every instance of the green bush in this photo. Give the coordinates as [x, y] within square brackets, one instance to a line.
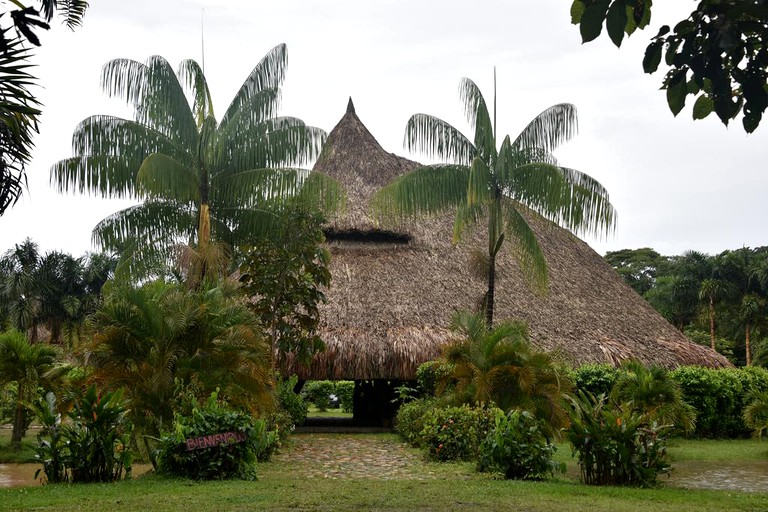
[719, 397]
[518, 448]
[409, 421]
[616, 446]
[292, 403]
[430, 375]
[319, 392]
[455, 433]
[234, 455]
[595, 379]
[345, 390]
[93, 446]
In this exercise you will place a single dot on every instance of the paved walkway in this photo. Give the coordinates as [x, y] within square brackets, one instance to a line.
[376, 456]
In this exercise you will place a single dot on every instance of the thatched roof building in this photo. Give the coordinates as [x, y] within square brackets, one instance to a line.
[393, 292]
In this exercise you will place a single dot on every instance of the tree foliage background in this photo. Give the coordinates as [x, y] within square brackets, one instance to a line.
[718, 54]
[719, 300]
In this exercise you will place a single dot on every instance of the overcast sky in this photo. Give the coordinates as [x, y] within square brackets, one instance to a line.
[676, 184]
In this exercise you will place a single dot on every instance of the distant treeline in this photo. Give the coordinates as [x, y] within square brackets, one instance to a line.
[719, 301]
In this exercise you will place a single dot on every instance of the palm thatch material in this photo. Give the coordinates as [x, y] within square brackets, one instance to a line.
[394, 291]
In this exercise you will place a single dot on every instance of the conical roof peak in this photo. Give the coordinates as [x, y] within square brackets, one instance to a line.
[350, 106]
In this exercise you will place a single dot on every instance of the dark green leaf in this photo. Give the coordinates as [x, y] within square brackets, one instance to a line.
[703, 107]
[751, 122]
[652, 57]
[592, 20]
[676, 96]
[616, 21]
[684, 27]
[577, 10]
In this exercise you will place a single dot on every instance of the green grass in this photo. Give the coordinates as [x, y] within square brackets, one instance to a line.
[718, 450]
[275, 491]
[314, 412]
[453, 487]
[28, 444]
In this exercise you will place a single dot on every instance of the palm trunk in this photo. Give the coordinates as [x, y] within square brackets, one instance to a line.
[712, 322]
[19, 420]
[489, 303]
[203, 239]
[746, 344]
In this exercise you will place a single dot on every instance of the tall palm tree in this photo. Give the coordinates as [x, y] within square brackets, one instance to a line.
[26, 365]
[498, 184]
[712, 290]
[751, 311]
[44, 290]
[200, 180]
[498, 365]
[147, 338]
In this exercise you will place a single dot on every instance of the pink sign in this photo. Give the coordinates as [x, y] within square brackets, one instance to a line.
[199, 443]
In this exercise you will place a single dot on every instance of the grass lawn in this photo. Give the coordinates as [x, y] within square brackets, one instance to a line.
[282, 486]
[28, 444]
[314, 412]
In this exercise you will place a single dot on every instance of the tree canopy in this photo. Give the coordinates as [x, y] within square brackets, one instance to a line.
[718, 54]
[498, 185]
[203, 183]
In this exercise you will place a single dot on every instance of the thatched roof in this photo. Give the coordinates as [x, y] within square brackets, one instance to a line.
[393, 293]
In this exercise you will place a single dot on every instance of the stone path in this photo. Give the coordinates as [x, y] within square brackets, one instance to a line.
[374, 456]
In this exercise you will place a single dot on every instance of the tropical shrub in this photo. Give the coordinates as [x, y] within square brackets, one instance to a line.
[595, 379]
[409, 421]
[431, 375]
[345, 390]
[319, 393]
[651, 392]
[756, 414]
[292, 403]
[616, 446]
[152, 337]
[719, 397]
[93, 446]
[518, 448]
[499, 366]
[455, 433]
[193, 450]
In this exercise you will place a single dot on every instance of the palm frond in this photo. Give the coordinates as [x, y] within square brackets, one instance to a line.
[466, 216]
[436, 138]
[193, 78]
[526, 248]
[161, 176]
[261, 107]
[555, 125]
[282, 141]
[477, 114]
[109, 151]
[269, 73]
[425, 191]
[570, 198]
[153, 89]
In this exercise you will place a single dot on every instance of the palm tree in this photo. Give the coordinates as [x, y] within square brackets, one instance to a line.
[712, 290]
[200, 180]
[149, 338]
[653, 393]
[498, 184]
[44, 290]
[497, 365]
[751, 311]
[26, 365]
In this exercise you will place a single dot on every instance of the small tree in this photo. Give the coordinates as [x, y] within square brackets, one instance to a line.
[284, 277]
[25, 365]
